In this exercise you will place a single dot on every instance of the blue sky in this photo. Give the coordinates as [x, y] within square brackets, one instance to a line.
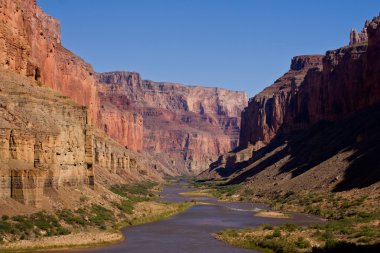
[234, 44]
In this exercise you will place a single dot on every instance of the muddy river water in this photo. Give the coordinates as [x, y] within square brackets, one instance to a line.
[191, 231]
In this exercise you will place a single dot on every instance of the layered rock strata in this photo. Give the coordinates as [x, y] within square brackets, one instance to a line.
[30, 44]
[47, 144]
[190, 124]
[266, 112]
[316, 88]
[319, 131]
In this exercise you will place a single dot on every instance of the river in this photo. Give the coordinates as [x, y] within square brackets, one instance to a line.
[191, 231]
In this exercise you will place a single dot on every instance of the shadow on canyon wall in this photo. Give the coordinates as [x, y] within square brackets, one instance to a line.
[360, 133]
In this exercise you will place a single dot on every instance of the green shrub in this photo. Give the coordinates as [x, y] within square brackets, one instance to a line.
[302, 243]
[100, 215]
[45, 221]
[5, 227]
[63, 231]
[276, 233]
[141, 189]
[125, 205]
[70, 218]
[268, 227]
[289, 227]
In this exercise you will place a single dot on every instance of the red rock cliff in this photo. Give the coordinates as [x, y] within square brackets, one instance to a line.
[316, 128]
[30, 44]
[348, 81]
[190, 124]
[266, 112]
[317, 88]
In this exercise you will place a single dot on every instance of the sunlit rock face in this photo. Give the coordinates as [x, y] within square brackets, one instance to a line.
[43, 141]
[190, 124]
[30, 44]
[47, 144]
[52, 126]
[316, 127]
[316, 88]
[266, 112]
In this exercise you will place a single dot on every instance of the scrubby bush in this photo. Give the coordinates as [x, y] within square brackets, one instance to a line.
[101, 215]
[302, 243]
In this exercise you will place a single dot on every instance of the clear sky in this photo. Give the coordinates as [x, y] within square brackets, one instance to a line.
[234, 44]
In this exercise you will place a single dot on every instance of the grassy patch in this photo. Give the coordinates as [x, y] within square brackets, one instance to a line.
[357, 232]
[354, 220]
[197, 193]
[161, 211]
[272, 214]
[22, 227]
[143, 189]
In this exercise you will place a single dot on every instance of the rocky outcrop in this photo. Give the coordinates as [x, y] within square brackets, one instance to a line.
[316, 127]
[190, 124]
[265, 113]
[316, 88]
[47, 144]
[359, 37]
[43, 137]
[348, 82]
[30, 44]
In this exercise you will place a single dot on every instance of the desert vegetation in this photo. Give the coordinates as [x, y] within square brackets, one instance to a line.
[135, 206]
[352, 220]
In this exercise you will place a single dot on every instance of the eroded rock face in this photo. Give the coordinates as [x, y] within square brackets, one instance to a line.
[316, 127]
[47, 144]
[192, 125]
[42, 140]
[359, 37]
[349, 81]
[316, 88]
[30, 44]
[266, 112]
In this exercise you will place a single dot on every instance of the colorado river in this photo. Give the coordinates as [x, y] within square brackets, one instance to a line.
[191, 231]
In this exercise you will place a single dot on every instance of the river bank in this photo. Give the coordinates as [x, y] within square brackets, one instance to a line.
[145, 212]
[352, 220]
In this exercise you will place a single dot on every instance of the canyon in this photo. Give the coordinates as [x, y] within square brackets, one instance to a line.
[316, 127]
[52, 138]
[192, 125]
[84, 153]
[66, 127]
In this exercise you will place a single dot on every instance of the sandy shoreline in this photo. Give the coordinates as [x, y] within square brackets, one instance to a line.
[272, 214]
[74, 240]
[145, 212]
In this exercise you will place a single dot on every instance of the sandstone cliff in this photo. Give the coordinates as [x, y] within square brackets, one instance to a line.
[266, 112]
[316, 127]
[47, 145]
[57, 143]
[30, 44]
[190, 124]
[316, 88]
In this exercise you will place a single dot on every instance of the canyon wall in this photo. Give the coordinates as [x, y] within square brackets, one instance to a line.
[30, 44]
[265, 113]
[347, 82]
[316, 127]
[316, 88]
[47, 144]
[43, 140]
[190, 124]
[55, 134]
